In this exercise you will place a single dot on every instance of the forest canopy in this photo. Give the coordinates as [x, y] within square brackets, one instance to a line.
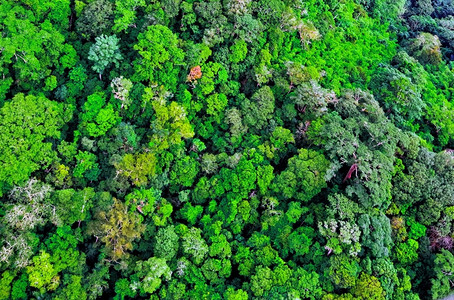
[226, 149]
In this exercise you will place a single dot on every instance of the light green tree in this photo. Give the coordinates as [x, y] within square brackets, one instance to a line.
[26, 125]
[104, 52]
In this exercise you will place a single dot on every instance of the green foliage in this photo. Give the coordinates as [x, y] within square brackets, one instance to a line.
[104, 53]
[5, 283]
[261, 281]
[305, 284]
[95, 19]
[166, 243]
[312, 99]
[365, 142]
[171, 124]
[34, 48]
[74, 205]
[259, 109]
[441, 286]
[343, 271]
[434, 172]
[117, 228]
[193, 244]
[304, 176]
[73, 290]
[147, 275]
[417, 230]
[98, 116]
[184, 171]
[126, 14]
[42, 274]
[400, 95]
[407, 252]
[62, 246]
[239, 51]
[368, 287]
[86, 166]
[376, 234]
[234, 149]
[19, 287]
[27, 126]
[137, 167]
[160, 56]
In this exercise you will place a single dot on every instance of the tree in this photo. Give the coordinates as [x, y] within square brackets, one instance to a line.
[305, 284]
[34, 50]
[17, 249]
[86, 166]
[73, 289]
[5, 284]
[259, 109]
[232, 294]
[428, 176]
[42, 274]
[191, 213]
[137, 167]
[400, 94]
[247, 27]
[19, 287]
[239, 51]
[160, 57]
[263, 71]
[389, 277]
[376, 234]
[96, 282]
[97, 115]
[343, 232]
[368, 287]
[406, 252]
[444, 272]
[359, 138]
[123, 289]
[304, 176]
[72, 205]
[96, 19]
[312, 99]
[117, 228]
[126, 14]
[426, 48]
[120, 88]
[216, 104]
[215, 270]
[184, 171]
[299, 242]
[30, 207]
[27, 125]
[166, 245]
[276, 146]
[62, 247]
[194, 245]
[148, 274]
[209, 163]
[261, 281]
[105, 52]
[237, 128]
[343, 271]
[214, 74]
[265, 176]
[194, 74]
[171, 123]
[220, 247]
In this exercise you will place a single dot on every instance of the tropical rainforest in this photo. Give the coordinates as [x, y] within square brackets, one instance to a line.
[226, 149]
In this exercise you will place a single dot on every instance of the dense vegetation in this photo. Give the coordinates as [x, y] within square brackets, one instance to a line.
[226, 149]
